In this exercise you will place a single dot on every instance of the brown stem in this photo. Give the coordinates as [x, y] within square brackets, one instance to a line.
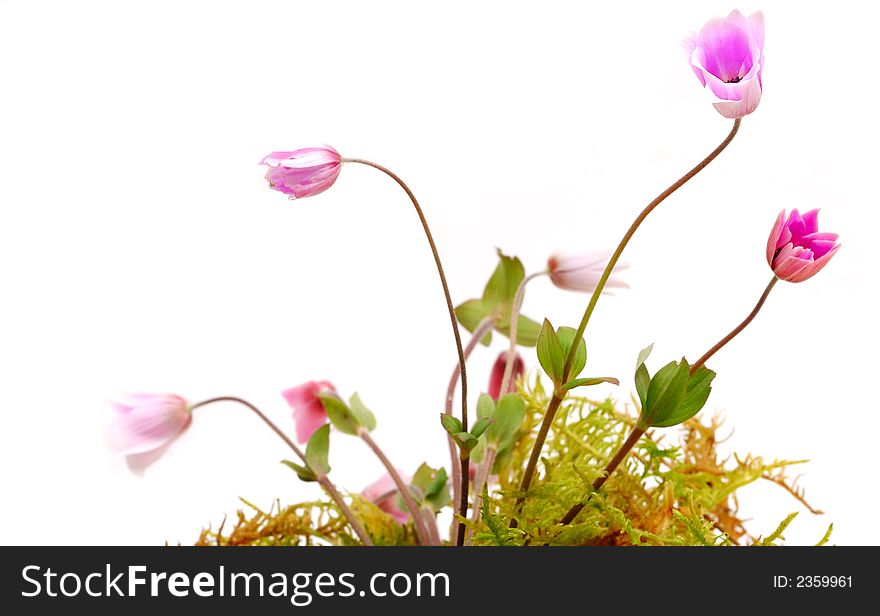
[323, 480]
[463, 498]
[628, 444]
[402, 488]
[449, 306]
[736, 330]
[529, 473]
[483, 328]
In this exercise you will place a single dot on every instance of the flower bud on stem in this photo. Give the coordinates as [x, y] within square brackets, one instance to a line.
[322, 479]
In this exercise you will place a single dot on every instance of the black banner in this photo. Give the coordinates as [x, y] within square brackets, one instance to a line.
[283, 580]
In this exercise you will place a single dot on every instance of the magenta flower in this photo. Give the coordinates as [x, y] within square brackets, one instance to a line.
[304, 172]
[383, 494]
[498, 374]
[581, 272]
[796, 249]
[728, 56]
[308, 411]
[144, 422]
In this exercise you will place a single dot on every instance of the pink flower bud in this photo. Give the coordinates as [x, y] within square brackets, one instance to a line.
[796, 249]
[143, 422]
[308, 411]
[304, 172]
[581, 272]
[728, 56]
[383, 494]
[498, 374]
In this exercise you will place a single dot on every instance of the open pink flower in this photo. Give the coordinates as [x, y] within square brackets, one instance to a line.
[143, 422]
[383, 494]
[581, 272]
[498, 374]
[728, 56]
[796, 249]
[308, 411]
[304, 172]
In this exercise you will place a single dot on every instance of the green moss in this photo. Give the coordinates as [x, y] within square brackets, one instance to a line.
[674, 489]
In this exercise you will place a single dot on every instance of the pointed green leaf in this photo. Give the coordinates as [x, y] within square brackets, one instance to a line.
[485, 407]
[699, 386]
[502, 286]
[318, 451]
[339, 413]
[480, 426]
[587, 382]
[550, 353]
[509, 414]
[665, 392]
[431, 487]
[305, 474]
[470, 313]
[362, 414]
[643, 378]
[466, 441]
[566, 338]
[451, 424]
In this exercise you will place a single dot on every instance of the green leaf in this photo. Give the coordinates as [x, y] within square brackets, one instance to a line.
[432, 486]
[485, 407]
[470, 313]
[550, 353]
[665, 393]
[501, 288]
[318, 450]
[362, 414]
[699, 386]
[566, 338]
[527, 330]
[643, 378]
[590, 381]
[451, 424]
[509, 414]
[478, 453]
[305, 474]
[466, 441]
[339, 413]
[480, 426]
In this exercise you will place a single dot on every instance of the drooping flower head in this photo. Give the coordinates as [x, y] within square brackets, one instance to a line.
[796, 249]
[728, 56]
[498, 374]
[581, 272]
[303, 173]
[144, 422]
[308, 411]
[383, 494]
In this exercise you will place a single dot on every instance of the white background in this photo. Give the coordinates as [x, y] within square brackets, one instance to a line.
[141, 250]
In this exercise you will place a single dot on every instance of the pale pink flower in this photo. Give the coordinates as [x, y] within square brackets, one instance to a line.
[144, 422]
[498, 374]
[303, 173]
[796, 249]
[383, 494]
[308, 411]
[728, 56]
[581, 272]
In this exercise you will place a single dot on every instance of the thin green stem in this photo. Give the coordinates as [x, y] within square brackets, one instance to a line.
[323, 480]
[736, 330]
[483, 328]
[422, 533]
[449, 306]
[514, 324]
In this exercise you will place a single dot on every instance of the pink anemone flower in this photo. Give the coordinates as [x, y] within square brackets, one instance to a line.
[303, 173]
[796, 249]
[308, 410]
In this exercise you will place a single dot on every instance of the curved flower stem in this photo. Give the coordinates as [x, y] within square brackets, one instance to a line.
[556, 400]
[514, 323]
[621, 454]
[483, 328]
[736, 330]
[480, 480]
[449, 307]
[422, 533]
[323, 480]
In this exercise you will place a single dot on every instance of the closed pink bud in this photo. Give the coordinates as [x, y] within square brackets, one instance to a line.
[498, 374]
[796, 249]
[383, 494]
[303, 173]
[581, 272]
[143, 422]
[308, 410]
[728, 56]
